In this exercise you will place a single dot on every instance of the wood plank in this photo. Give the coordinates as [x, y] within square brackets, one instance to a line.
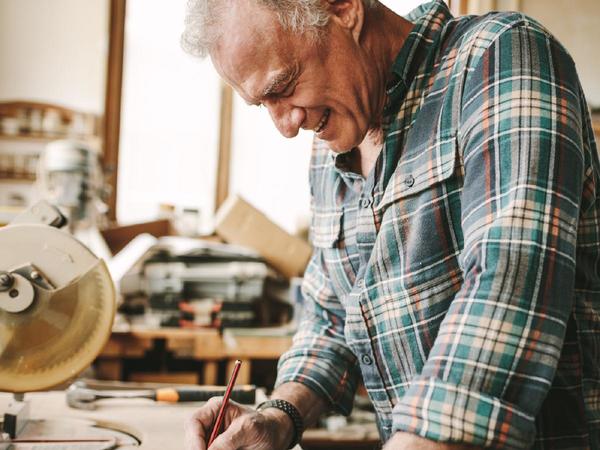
[257, 347]
[163, 377]
[224, 156]
[458, 7]
[463, 7]
[118, 237]
[125, 346]
[109, 369]
[205, 345]
[243, 374]
[210, 373]
[112, 105]
[209, 346]
[596, 127]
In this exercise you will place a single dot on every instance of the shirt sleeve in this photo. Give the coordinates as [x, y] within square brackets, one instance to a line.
[320, 358]
[497, 349]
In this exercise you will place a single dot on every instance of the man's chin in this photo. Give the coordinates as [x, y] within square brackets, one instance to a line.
[340, 150]
[341, 145]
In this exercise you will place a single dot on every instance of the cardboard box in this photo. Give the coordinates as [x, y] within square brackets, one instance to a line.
[238, 222]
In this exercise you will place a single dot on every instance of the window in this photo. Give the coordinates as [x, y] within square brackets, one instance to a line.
[170, 123]
[170, 116]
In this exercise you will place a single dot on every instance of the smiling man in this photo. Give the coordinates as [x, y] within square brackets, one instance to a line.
[456, 222]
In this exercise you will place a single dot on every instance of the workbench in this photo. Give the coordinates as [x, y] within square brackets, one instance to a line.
[160, 426]
[157, 426]
[206, 345]
[211, 348]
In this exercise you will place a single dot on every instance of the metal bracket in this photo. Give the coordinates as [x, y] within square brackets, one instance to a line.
[42, 213]
[16, 416]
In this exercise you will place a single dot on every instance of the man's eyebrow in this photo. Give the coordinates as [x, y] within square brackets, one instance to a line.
[277, 82]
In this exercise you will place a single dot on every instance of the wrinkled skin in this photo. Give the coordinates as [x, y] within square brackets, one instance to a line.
[245, 427]
[344, 75]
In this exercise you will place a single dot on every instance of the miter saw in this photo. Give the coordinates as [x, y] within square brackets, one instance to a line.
[57, 304]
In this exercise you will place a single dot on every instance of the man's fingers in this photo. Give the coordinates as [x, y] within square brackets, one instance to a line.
[194, 438]
[231, 439]
[199, 425]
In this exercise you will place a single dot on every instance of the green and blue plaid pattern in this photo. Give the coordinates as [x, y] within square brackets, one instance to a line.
[461, 278]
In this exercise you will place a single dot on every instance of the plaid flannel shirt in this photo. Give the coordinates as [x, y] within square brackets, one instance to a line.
[461, 278]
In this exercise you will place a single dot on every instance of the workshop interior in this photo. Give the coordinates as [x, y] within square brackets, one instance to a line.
[154, 228]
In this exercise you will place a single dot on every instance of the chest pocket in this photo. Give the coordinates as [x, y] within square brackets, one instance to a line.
[328, 238]
[420, 171]
[326, 227]
[421, 225]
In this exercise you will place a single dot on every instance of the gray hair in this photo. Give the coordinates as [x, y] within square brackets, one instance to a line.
[203, 20]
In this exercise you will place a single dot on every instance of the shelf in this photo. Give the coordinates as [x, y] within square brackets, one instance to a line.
[45, 137]
[596, 124]
[4, 180]
[8, 213]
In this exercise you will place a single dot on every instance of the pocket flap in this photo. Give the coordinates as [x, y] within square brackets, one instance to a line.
[421, 170]
[325, 228]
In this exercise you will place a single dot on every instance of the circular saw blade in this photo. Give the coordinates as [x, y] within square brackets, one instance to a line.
[60, 334]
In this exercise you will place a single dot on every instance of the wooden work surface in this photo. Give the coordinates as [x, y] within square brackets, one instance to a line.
[158, 426]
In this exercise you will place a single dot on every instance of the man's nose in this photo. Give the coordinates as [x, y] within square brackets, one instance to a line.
[288, 119]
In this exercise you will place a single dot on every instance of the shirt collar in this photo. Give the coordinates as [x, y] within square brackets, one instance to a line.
[429, 20]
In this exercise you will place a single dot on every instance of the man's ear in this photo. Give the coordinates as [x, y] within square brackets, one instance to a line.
[349, 14]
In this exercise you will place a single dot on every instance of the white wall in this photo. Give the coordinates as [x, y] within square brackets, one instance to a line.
[54, 51]
[576, 24]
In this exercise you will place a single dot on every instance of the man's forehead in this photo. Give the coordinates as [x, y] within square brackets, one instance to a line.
[249, 19]
[248, 33]
[253, 51]
[244, 60]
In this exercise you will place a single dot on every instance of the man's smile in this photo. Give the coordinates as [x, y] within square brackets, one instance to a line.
[323, 122]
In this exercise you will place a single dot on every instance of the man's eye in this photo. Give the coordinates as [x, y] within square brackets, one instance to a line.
[289, 91]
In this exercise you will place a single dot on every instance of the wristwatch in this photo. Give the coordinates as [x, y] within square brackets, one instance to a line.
[293, 414]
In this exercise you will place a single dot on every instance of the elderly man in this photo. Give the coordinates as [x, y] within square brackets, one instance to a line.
[456, 222]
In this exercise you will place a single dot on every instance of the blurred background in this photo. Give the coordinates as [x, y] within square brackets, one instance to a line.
[169, 135]
[196, 202]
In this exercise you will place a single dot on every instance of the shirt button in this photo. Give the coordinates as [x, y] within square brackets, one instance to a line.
[360, 283]
[366, 360]
[409, 181]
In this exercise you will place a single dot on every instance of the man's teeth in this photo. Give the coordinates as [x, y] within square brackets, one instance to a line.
[323, 121]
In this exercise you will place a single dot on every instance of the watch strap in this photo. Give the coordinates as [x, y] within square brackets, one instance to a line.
[293, 414]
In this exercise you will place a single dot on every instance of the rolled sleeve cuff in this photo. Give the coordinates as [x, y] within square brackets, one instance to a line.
[332, 374]
[446, 412]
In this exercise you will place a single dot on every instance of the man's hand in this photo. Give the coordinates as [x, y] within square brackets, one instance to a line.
[407, 441]
[242, 427]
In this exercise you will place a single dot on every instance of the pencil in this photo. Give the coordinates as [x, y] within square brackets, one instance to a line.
[217, 426]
